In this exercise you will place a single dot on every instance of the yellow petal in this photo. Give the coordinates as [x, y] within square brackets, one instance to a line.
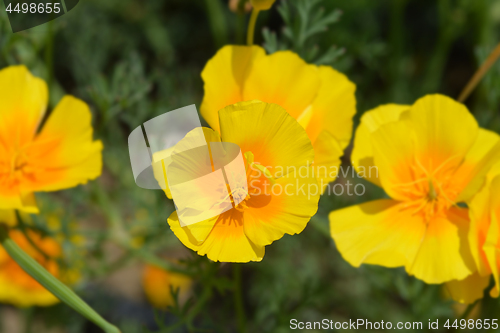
[393, 150]
[224, 76]
[362, 153]
[333, 107]
[479, 160]
[380, 232]
[8, 217]
[24, 101]
[285, 79]
[64, 152]
[286, 208]
[276, 140]
[444, 254]
[480, 216]
[228, 243]
[469, 289]
[327, 154]
[24, 202]
[182, 233]
[444, 131]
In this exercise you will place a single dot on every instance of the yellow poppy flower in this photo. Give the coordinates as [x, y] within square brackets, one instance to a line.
[60, 155]
[157, 284]
[278, 200]
[428, 157]
[16, 286]
[320, 98]
[484, 238]
[262, 4]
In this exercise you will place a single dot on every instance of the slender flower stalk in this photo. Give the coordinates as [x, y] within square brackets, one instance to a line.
[480, 73]
[251, 26]
[61, 291]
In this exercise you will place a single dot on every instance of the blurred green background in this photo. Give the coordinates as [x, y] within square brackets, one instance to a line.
[131, 60]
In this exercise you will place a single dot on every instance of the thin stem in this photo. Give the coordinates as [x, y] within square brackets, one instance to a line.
[480, 73]
[56, 287]
[238, 298]
[469, 310]
[251, 26]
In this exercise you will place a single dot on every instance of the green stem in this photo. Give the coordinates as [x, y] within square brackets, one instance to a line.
[251, 26]
[238, 298]
[57, 288]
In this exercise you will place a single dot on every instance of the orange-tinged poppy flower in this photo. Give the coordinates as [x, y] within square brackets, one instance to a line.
[484, 238]
[60, 155]
[321, 99]
[158, 283]
[278, 200]
[428, 157]
[16, 286]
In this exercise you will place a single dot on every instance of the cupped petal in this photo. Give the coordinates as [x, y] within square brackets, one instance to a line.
[285, 79]
[276, 140]
[24, 100]
[333, 108]
[469, 289]
[182, 233]
[362, 153]
[227, 242]
[444, 131]
[393, 149]
[482, 156]
[381, 232]
[285, 208]
[444, 253]
[64, 154]
[224, 76]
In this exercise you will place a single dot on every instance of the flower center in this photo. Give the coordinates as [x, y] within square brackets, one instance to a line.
[252, 187]
[432, 193]
[20, 167]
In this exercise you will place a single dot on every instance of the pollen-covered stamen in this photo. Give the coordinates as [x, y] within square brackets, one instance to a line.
[432, 193]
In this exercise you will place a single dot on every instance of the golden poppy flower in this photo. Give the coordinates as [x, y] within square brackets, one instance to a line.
[320, 98]
[428, 157]
[484, 238]
[278, 200]
[60, 155]
[16, 286]
[157, 284]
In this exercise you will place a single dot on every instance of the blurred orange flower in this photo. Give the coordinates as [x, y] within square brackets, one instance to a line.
[60, 155]
[16, 286]
[157, 284]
